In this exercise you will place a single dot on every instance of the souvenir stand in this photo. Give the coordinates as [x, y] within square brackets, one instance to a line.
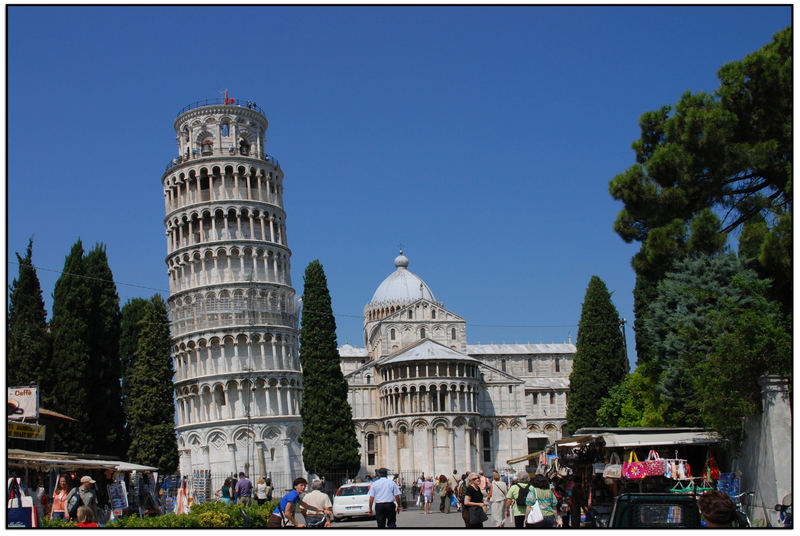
[602, 463]
[112, 476]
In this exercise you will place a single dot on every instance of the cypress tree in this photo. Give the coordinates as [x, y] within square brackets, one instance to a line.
[152, 407]
[329, 440]
[130, 327]
[27, 339]
[65, 387]
[106, 419]
[600, 361]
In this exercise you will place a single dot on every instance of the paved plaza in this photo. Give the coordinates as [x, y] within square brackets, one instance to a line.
[415, 518]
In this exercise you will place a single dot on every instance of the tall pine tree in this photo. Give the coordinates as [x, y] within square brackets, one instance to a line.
[329, 440]
[27, 339]
[105, 420]
[600, 361]
[65, 387]
[152, 407]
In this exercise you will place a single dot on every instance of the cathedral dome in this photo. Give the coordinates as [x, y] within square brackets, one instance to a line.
[402, 286]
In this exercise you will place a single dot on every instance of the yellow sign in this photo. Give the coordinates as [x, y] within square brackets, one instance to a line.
[26, 431]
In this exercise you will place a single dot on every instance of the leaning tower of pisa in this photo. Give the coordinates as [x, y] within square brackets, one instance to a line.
[233, 313]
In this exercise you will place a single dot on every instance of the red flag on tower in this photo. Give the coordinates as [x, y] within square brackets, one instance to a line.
[226, 96]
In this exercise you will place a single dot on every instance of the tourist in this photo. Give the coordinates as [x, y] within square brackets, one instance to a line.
[261, 491]
[244, 490]
[427, 494]
[59, 510]
[85, 517]
[317, 499]
[384, 494]
[521, 485]
[483, 483]
[444, 492]
[269, 489]
[497, 500]
[541, 494]
[285, 508]
[474, 503]
[452, 483]
[225, 492]
[717, 509]
[86, 493]
[577, 502]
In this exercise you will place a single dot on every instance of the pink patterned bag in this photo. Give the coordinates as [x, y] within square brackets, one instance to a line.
[633, 470]
[654, 465]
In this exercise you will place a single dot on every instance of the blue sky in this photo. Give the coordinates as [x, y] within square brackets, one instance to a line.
[480, 138]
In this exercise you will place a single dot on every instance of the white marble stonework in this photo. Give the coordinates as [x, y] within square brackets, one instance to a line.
[233, 312]
[424, 400]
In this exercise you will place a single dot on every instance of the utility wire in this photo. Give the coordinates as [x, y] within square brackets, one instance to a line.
[309, 311]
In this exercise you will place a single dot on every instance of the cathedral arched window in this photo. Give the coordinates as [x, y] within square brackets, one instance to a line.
[558, 367]
[487, 446]
[503, 365]
[370, 449]
[433, 313]
[422, 333]
[453, 333]
[530, 364]
[391, 334]
[410, 314]
[552, 398]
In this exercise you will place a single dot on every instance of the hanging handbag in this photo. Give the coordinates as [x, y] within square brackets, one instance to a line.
[534, 514]
[682, 487]
[705, 485]
[598, 468]
[562, 471]
[20, 512]
[613, 469]
[633, 469]
[654, 465]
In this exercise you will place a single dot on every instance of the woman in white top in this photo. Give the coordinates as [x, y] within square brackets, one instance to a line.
[261, 491]
[497, 500]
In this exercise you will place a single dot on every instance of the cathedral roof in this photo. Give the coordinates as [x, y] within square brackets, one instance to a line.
[426, 350]
[547, 383]
[402, 285]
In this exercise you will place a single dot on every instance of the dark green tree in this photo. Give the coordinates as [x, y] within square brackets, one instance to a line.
[106, 419]
[65, 385]
[751, 340]
[600, 361]
[152, 407]
[27, 339]
[730, 151]
[131, 326]
[329, 441]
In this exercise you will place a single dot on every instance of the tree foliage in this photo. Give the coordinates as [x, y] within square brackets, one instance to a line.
[106, 419]
[131, 315]
[730, 152]
[715, 332]
[329, 440]
[600, 361]
[152, 407]
[27, 339]
[65, 387]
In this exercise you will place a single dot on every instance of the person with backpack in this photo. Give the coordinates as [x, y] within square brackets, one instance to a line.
[83, 495]
[515, 498]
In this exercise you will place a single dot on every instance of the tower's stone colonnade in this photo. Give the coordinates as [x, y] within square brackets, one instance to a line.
[233, 313]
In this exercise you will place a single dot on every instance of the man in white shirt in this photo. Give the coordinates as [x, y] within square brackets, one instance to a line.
[319, 500]
[384, 493]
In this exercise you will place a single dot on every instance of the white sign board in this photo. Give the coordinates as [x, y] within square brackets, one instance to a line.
[23, 403]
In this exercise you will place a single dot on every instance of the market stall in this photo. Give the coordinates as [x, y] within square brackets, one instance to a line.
[591, 468]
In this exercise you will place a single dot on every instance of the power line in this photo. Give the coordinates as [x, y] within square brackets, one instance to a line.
[335, 315]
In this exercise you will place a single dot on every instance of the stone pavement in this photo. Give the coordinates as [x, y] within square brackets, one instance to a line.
[415, 518]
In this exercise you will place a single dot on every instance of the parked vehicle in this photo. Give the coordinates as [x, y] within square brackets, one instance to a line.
[351, 500]
[655, 511]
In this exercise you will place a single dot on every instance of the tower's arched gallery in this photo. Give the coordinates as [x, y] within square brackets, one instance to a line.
[426, 401]
[422, 398]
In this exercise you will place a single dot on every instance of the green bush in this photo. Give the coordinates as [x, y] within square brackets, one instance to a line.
[208, 515]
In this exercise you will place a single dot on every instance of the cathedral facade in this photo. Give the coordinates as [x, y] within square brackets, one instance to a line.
[424, 400]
